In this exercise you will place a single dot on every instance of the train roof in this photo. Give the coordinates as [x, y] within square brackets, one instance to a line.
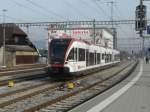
[88, 43]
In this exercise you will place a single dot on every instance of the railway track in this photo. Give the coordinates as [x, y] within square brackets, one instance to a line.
[74, 98]
[22, 67]
[20, 70]
[23, 86]
[22, 73]
[38, 97]
[26, 75]
[22, 77]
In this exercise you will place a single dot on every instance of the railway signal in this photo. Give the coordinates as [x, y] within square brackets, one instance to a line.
[141, 22]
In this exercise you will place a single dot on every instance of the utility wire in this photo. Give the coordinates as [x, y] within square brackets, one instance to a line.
[118, 16]
[122, 30]
[74, 8]
[28, 8]
[118, 10]
[45, 9]
[101, 9]
[91, 6]
[13, 18]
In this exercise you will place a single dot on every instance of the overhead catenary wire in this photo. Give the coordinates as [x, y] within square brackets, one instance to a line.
[92, 7]
[75, 23]
[45, 9]
[10, 18]
[112, 16]
[14, 18]
[100, 8]
[119, 12]
[29, 8]
[119, 15]
[68, 4]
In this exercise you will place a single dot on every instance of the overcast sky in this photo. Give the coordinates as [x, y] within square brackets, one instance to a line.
[53, 10]
[60, 10]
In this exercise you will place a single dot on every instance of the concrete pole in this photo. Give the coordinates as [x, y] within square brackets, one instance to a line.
[94, 31]
[112, 13]
[4, 38]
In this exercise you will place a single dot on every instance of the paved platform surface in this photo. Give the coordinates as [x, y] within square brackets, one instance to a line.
[131, 95]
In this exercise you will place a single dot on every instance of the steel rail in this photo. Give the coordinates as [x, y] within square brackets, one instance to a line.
[3, 104]
[60, 98]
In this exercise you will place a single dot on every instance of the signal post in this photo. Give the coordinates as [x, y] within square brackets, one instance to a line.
[141, 22]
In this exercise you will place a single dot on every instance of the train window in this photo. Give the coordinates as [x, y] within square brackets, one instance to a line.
[117, 57]
[71, 55]
[81, 54]
[58, 50]
[95, 58]
[110, 57]
[87, 57]
[107, 58]
[103, 56]
[91, 58]
[75, 54]
[98, 58]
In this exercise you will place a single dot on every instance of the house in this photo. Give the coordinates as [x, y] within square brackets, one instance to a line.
[18, 48]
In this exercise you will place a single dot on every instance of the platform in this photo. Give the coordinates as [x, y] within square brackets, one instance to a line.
[131, 95]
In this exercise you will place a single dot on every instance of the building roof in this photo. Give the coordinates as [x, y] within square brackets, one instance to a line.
[11, 30]
[19, 48]
[15, 37]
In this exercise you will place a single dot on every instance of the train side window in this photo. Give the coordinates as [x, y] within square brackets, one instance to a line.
[81, 54]
[103, 55]
[106, 59]
[75, 54]
[95, 56]
[87, 57]
[117, 57]
[91, 58]
[110, 57]
[98, 58]
[71, 55]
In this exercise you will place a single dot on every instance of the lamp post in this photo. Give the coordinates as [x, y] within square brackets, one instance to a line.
[4, 38]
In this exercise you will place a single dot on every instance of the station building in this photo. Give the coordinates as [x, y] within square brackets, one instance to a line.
[103, 36]
[18, 48]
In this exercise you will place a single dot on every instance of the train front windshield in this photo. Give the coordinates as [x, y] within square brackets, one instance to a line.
[58, 48]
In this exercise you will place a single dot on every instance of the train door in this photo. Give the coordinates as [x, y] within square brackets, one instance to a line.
[95, 58]
[75, 58]
[87, 57]
[72, 59]
[81, 63]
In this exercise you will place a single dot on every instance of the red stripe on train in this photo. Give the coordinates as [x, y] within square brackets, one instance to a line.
[57, 65]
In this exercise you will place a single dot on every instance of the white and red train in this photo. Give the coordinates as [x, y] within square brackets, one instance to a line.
[70, 56]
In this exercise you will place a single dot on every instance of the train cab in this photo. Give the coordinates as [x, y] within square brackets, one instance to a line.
[57, 55]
